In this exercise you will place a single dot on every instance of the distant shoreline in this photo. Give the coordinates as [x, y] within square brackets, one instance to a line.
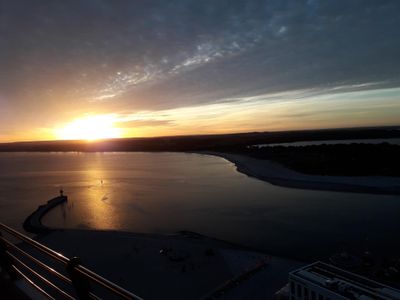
[279, 175]
[202, 142]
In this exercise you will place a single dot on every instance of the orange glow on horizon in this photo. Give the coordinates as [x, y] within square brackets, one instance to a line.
[338, 110]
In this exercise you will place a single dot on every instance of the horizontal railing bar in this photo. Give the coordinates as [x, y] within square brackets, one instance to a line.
[35, 244]
[42, 291]
[93, 296]
[37, 275]
[38, 262]
[107, 284]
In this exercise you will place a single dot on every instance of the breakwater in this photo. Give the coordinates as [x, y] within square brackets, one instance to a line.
[33, 222]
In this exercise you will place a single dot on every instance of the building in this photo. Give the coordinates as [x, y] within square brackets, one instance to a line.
[320, 281]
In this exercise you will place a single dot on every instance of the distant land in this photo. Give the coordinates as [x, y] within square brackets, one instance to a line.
[355, 159]
[218, 142]
[351, 167]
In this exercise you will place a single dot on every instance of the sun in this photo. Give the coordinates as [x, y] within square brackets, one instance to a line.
[89, 128]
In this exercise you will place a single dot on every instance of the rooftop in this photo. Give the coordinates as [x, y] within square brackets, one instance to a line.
[344, 283]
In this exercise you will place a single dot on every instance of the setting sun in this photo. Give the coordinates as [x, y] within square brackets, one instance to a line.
[89, 128]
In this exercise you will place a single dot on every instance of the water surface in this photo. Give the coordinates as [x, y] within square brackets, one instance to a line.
[168, 192]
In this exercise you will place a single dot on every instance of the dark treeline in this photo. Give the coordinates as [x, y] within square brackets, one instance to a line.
[341, 159]
[222, 142]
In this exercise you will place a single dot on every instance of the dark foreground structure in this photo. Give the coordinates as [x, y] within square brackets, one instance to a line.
[40, 277]
[322, 281]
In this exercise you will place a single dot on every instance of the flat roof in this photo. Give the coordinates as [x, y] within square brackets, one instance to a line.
[344, 283]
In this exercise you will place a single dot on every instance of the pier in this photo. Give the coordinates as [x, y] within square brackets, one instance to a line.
[33, 222]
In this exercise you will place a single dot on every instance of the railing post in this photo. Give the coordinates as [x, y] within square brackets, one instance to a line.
[5, 260]
[80, 282]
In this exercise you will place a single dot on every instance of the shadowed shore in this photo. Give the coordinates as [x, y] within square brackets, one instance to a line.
[179, 265]
[173, 266]
[279, 175]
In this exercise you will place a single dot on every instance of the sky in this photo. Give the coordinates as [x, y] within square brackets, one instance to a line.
[128, 68]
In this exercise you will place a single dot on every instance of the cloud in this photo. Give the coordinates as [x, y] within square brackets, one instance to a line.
[64, 57]
[143, 123]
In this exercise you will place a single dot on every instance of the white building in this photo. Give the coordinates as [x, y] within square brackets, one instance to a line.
[320, 281]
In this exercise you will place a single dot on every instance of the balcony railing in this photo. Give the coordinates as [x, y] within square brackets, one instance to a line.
[41, 269]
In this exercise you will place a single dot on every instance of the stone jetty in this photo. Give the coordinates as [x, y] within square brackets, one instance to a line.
[33, 223]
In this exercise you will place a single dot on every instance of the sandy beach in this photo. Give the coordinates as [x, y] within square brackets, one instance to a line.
[277, 174]
[179, 266]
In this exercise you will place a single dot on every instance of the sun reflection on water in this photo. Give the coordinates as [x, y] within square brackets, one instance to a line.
[98, 197]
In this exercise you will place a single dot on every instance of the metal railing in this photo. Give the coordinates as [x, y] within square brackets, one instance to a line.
[76, 284]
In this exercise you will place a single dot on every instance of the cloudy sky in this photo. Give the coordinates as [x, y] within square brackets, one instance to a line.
[151, 68]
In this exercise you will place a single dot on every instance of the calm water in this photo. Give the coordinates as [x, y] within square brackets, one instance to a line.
[168, 192]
